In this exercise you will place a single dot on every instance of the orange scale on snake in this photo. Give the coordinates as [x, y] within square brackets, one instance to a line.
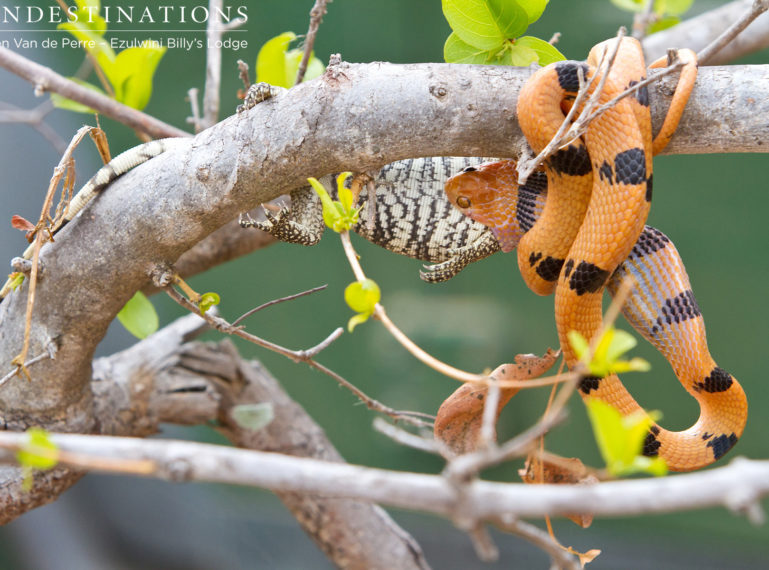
[591, 231]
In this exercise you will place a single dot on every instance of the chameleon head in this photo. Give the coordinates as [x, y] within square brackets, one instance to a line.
[487, 193]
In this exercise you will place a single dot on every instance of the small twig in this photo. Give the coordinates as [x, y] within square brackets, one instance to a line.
[214, 32]
[561, 558]
[672, 68]
[564, 134]
[45, 79]
[247, 314]
[756, 9]
[484, 546]
[604, 68]
[42, 356]
[408, 439]
[35, 118]
[316, 17]
[41, 231]
[194, 119]
[642, 20]
[243, 74]
[406, 342]
[554, 39]
[489, 418]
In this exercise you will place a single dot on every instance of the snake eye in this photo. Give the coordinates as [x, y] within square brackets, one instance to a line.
[463, 202]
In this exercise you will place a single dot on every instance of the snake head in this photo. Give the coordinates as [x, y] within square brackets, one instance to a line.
[488, 194]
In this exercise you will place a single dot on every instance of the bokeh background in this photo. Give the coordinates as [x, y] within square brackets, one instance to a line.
[713, 207]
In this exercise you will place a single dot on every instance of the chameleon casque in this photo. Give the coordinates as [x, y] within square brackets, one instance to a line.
[411, 215]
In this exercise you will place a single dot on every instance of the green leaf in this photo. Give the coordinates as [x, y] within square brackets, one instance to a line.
[485, 24]
[253, 417]
[663, 24]
[339, 216]
[534, 8]
[39, 452]
[362, 297]
[16, 279]
[629, 5]
[457, 51]
[521, 56]
[208, 300]
[546, 52]
[293, 57]
[138, 316]
[611, 346]
[672, 7]
[620, 439]
[69, 104]
[132, 71]
[271, 61]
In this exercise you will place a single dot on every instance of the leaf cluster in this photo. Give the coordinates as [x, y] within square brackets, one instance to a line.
[490, 32]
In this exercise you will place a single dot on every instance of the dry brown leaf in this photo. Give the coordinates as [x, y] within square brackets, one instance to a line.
[458, 422]
[556, 470]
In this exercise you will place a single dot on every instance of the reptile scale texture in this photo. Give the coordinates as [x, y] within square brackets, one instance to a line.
[591, 234]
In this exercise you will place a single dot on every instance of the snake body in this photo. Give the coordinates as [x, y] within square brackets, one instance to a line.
[611, 241]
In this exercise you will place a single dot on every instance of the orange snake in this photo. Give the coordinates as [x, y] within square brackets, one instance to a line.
[590, 234]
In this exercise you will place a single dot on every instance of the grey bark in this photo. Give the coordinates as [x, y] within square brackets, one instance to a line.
[166, 379]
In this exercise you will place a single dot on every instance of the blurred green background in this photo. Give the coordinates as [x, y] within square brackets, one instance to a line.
[712, 207]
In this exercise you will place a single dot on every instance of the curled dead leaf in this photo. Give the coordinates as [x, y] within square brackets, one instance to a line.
[556, 470]
[458, 421]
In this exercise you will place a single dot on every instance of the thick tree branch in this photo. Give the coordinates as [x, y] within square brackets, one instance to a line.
[355, 117]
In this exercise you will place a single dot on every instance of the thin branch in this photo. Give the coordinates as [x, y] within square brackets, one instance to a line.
[194, 119]
[565, 133]
[214, 32]
[561, 558]
[35, 118]
[316, 17]
[428, 445]
[405, 341]
[642, 20]
[45, 79]
[305, 356]
[247, 314]
[756, 9]
[42, 356]
[739, 486]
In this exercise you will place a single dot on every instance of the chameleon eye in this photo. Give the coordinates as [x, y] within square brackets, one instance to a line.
[463, 202]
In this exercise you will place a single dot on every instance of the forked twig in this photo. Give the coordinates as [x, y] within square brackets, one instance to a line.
[565, 133]
[306, 356]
